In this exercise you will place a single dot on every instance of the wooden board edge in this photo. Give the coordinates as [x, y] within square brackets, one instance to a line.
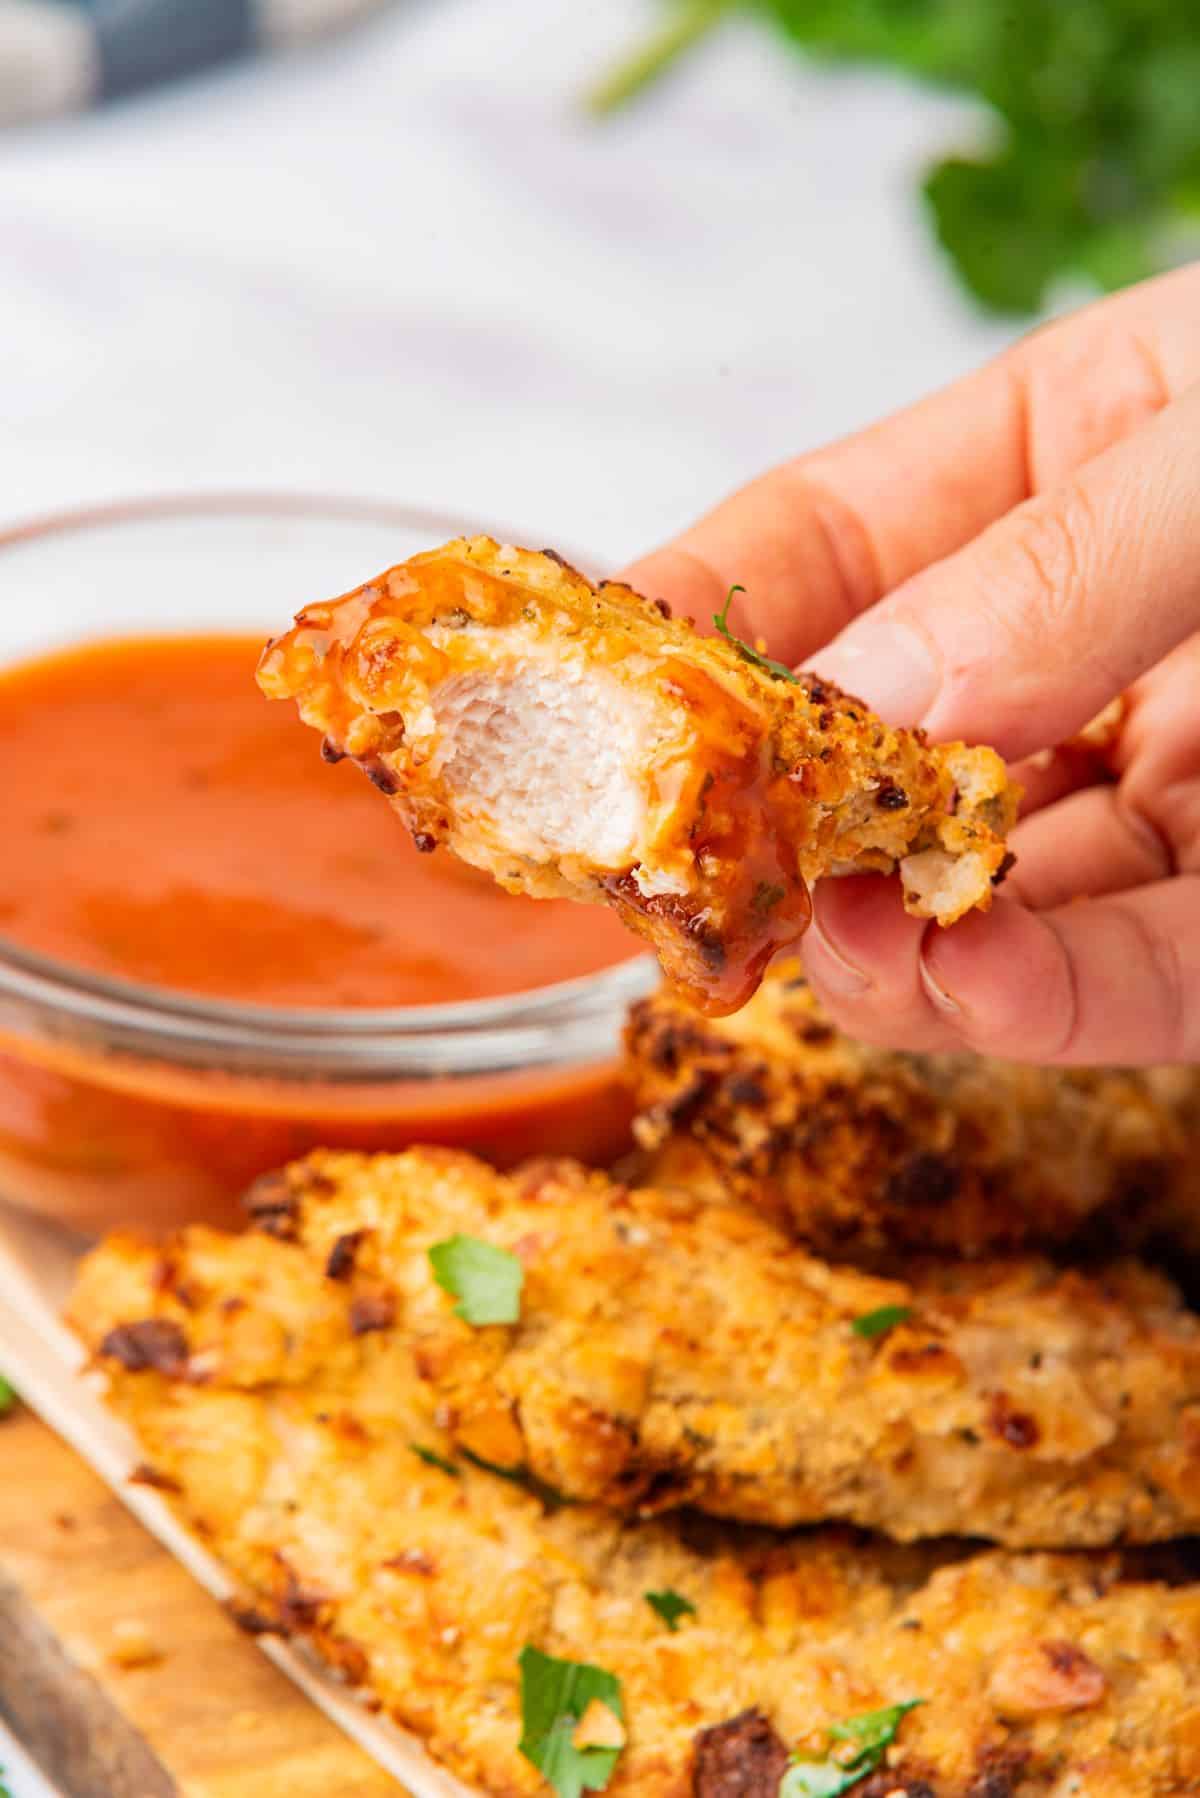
[63, 1719]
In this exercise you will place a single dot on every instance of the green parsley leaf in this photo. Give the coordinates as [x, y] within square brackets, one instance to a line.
[670, 1606]
[520, 1476]
[873, 1731]
[1091, 166]
[8, 1399]
[485, 1280]
[554, 1696]
[856, 1748]
[878, 1323]
[776, 670]
[431, 1460]
[4, 1791]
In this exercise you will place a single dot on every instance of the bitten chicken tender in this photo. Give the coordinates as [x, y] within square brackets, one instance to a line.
[867, 1155]
[575, 740]
[673, 1351]
[289, 1443]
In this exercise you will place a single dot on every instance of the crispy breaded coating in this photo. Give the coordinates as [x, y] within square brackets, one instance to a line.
[575, 740]
[287, 1440]
[868, 1154]
[674, 1351]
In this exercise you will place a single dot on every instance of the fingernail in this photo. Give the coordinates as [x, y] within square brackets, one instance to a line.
[835, 970]
[935, 992]
[888, 665]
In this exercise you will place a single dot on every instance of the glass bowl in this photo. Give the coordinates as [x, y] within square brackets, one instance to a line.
[122, 1104]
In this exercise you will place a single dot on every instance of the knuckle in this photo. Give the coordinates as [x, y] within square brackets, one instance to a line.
[1038, 586]
[841, 544]
[1155, 955]
[1049, 552]
[1088, 381]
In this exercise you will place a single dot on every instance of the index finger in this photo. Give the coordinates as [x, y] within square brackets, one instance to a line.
[819, 539]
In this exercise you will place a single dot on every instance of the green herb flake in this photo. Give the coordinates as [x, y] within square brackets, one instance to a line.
[555, 1696]
[485, 1280]
[8, 1399]
[4, 1791]
[877, 1323]
[856, 1748]
[689, 23]
[670, 1606]
[766, 897]
[776, 670]
[433, 1460]
[523, 1477]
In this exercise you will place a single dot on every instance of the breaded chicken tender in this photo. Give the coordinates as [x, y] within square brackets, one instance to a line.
[674, 1351]
[575, 740]
[291, 1443]
[868, 1155]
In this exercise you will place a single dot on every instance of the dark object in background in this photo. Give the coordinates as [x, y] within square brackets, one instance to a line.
[61, 55]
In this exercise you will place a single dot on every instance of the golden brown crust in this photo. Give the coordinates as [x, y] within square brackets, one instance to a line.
[868, 1155]
[286, 1441]
[740, 788]
[674, 1351]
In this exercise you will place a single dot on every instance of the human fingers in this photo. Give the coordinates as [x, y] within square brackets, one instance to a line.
[1113, 979]
[862, 956]
[821, 538]
[1021, 637]
[1046, 778]
[1090, 842]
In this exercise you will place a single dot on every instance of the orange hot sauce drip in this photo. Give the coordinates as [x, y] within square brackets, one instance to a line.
[753, 901]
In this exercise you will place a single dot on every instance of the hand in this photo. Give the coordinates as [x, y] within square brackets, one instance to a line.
[998, 563]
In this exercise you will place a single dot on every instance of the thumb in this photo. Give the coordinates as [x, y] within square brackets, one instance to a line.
[1021, 637]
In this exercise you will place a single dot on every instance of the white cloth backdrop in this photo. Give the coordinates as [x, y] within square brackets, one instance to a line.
[406, 265]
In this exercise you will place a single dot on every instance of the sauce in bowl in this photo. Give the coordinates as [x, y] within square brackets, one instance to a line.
[163, 825]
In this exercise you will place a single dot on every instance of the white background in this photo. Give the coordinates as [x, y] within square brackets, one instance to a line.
[406, 265]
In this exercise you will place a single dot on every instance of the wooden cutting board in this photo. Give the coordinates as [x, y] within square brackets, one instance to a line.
[83, 1587]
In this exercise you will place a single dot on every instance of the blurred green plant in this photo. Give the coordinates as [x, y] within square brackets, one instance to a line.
[1094, 171]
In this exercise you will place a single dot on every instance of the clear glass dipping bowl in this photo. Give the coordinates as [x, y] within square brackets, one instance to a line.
[123, 1104]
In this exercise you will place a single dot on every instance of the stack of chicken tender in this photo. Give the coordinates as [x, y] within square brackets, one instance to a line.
[847, 1416]
[845, 1441]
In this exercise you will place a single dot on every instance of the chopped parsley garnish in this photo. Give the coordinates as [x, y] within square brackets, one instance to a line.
[485, 1280]
[8, 1399]
[856, 1748]
[878, 1323]
[432, 1460]
[556, 1697]
[776, 670]
[670, 1606]
[4, 1791]
[766, 897]
[520, 1476]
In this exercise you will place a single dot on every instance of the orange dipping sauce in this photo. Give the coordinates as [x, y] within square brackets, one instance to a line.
[163, 824]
